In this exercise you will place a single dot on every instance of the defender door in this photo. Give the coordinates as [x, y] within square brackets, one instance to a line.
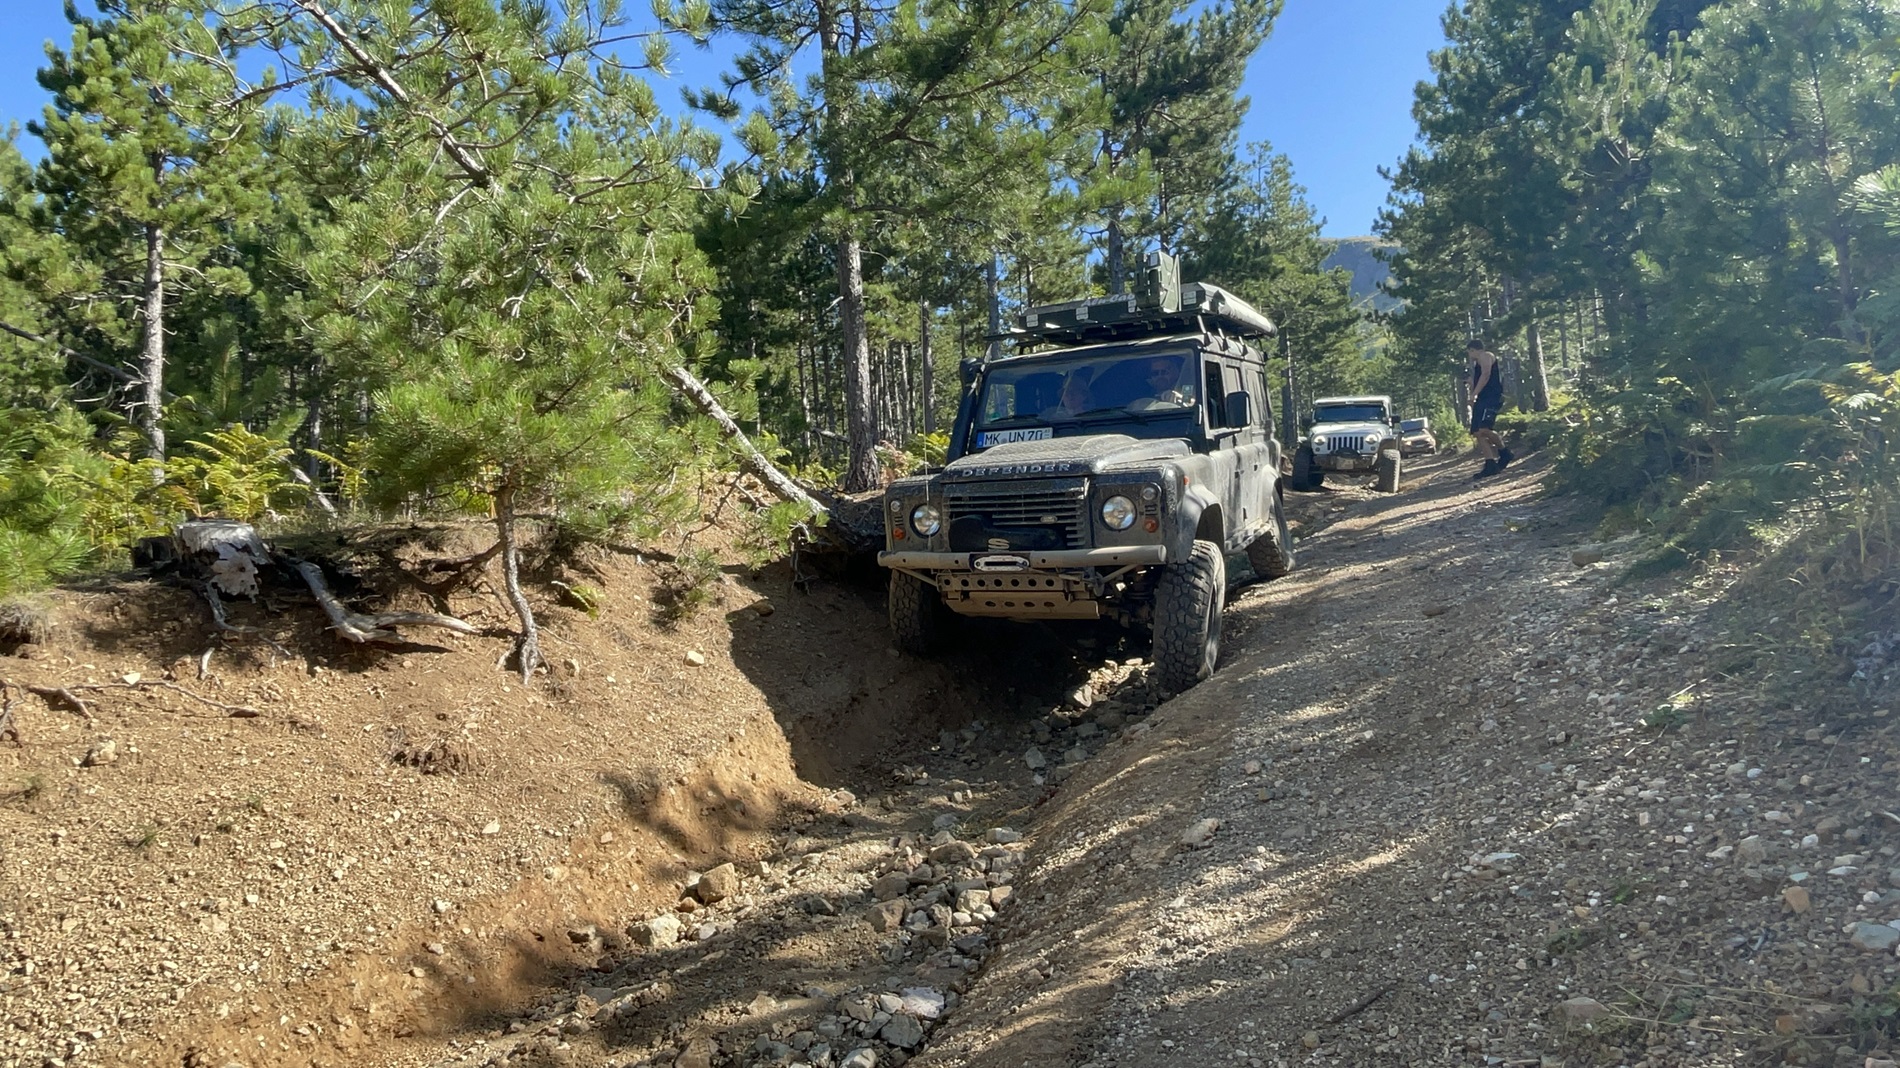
[1246, 457]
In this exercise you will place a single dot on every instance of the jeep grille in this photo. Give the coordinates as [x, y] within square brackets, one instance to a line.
[1048, 508]
[1346, 443]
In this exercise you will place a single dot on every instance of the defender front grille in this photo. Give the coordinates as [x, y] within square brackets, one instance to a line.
[1057, 506]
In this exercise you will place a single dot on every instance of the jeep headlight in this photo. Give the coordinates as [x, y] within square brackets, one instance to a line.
[925, 519]
[1118, 513]
[1319, 443]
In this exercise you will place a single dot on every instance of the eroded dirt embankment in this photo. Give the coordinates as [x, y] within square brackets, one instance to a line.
[407, 851]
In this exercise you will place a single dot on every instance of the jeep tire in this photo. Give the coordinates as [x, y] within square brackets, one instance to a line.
[1189, 597]
[1271, 554]
[1307, 475]
[1388, 470]
[919, 619]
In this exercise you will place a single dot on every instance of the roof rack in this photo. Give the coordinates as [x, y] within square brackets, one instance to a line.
[1163, 307]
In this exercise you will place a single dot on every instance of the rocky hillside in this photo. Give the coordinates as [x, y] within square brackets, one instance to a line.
[1359, 255]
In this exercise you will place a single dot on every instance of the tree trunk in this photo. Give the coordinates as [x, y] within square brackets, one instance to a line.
[1540, 379]
[861, 470]
[1289, 415]
[152, 362]
[910, 389]
[927, 369]
[1563, 334]
[995, 301]
[528, 649]
[1117, 270]
[1850, 296]
[804, 397]
[751, 460]
[313, 434]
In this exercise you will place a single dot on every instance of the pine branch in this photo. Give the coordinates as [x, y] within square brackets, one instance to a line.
[381, 75]
[73, 354]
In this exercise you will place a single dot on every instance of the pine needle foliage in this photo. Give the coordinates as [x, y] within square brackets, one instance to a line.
[65, 505]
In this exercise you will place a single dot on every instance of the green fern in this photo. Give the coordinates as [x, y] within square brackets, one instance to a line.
[238, 474]
[64, 502]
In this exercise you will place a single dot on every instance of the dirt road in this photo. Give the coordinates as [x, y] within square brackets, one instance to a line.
[1476, 804]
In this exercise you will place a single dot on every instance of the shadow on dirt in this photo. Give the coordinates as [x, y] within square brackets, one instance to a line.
[851, 706]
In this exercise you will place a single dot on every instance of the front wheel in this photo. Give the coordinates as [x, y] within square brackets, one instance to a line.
[1271, 554]
[919, 620]
[1388, 470]
[1189, 597]
[1307, 474]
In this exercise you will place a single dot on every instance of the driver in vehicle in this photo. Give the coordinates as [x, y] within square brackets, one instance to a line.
[1076, 398]
[1163, 377]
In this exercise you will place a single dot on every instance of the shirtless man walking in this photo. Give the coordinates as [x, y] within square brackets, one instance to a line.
[1487, 399]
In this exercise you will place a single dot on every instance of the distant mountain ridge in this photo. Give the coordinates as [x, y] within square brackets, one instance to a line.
[1359, 255]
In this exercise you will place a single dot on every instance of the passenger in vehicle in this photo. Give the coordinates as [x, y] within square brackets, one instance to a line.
[1076, 395]
[1164, 386]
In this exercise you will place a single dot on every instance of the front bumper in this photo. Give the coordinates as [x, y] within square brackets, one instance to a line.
[1056, 584]
[1052, 559]
[1347, 461]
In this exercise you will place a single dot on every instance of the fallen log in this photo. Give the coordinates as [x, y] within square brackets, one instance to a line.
[751, 460]
[361, 628]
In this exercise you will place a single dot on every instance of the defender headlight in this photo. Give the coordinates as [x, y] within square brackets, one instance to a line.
[1118, 513]
[925, 519]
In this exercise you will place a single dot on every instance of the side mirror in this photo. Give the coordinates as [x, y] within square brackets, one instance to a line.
[1238, 411]
[967, 369]
[1306, 423]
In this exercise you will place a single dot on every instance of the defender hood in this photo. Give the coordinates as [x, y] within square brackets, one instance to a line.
[1085, 455]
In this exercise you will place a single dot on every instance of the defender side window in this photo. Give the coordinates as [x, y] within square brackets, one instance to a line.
[1216, 397]
[1263, 400]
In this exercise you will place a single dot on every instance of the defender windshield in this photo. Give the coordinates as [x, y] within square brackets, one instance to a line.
[1412, 425]
[1152, 394]
[1349, 413]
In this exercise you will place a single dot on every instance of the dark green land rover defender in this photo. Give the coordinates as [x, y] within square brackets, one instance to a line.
[1105, 474]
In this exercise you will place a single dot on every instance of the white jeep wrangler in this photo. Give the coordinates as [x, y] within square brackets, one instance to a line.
[1350, 435]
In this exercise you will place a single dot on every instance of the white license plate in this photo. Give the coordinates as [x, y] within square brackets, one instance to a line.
[1003, 437]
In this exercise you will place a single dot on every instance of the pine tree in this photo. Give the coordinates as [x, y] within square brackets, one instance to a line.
[1261, 239]
[519, 270]
[31, 370]
[912, 112]
[1171, 111]
[138, 175]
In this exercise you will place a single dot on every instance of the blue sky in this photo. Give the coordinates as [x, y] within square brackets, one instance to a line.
[1331, 89]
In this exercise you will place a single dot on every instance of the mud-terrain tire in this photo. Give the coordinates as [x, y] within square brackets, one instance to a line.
[1389, 468]
[919, 621]
[1189, 597]
[1307, 475]
[1271, 554]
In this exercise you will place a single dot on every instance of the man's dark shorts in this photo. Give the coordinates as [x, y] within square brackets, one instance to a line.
[1484, 413]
